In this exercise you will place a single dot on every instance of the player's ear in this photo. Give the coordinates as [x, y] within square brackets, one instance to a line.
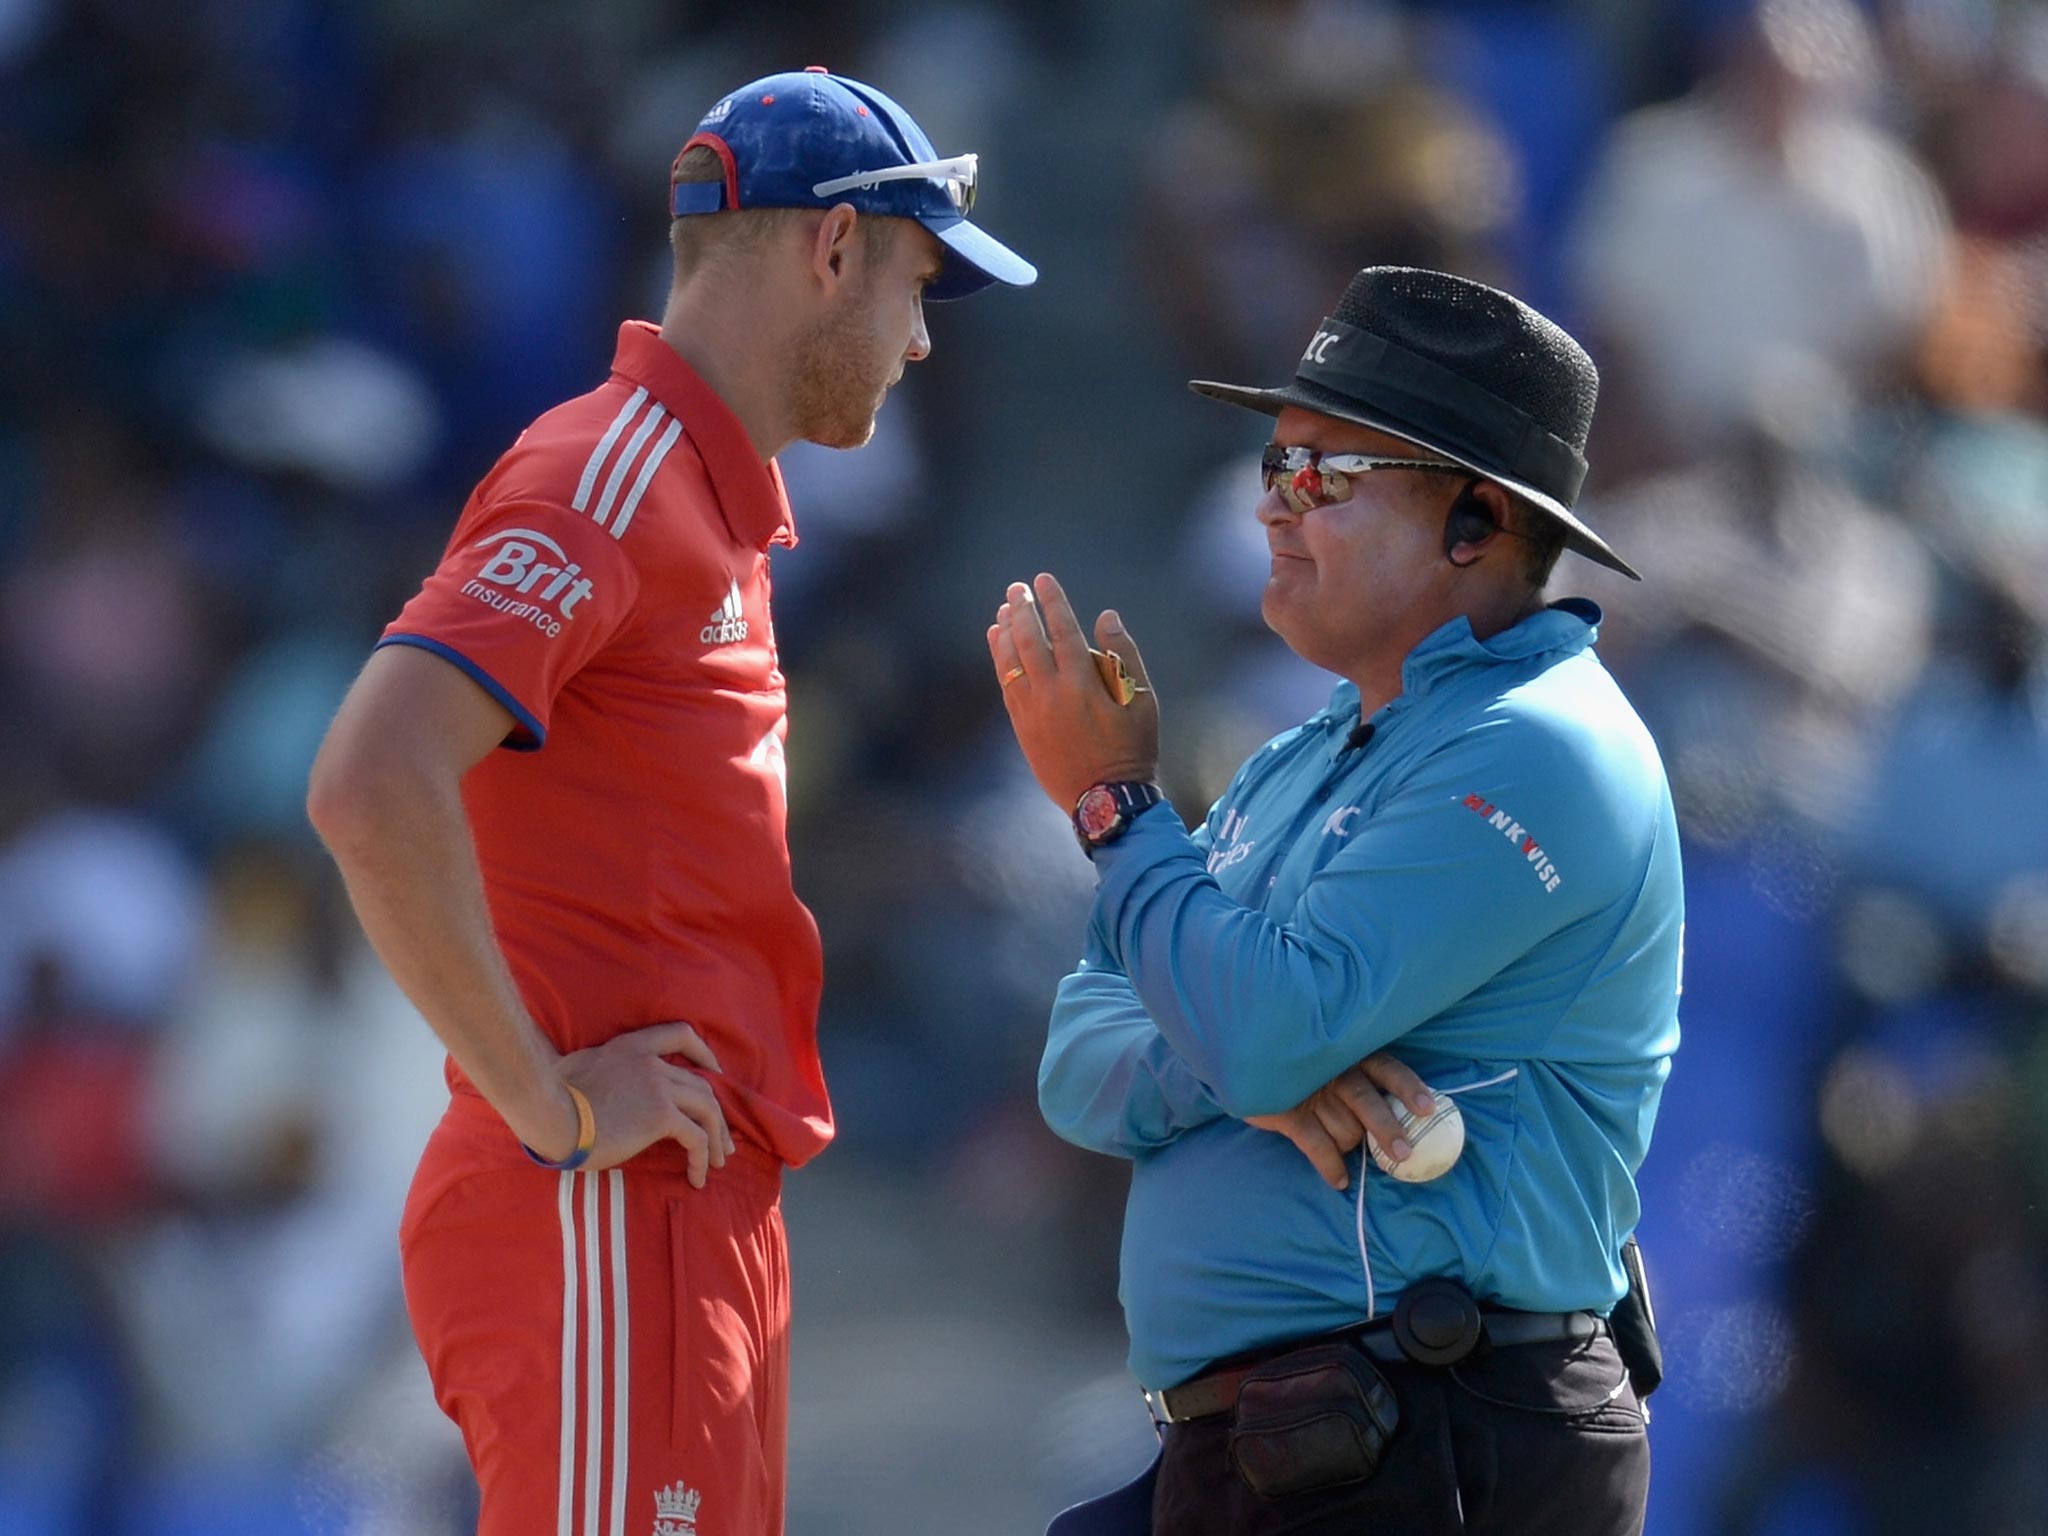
[832, 245]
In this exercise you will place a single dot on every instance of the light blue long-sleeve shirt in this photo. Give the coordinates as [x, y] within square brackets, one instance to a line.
[1490, 885]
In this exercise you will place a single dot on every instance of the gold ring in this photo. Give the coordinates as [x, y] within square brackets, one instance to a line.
[1012, 675]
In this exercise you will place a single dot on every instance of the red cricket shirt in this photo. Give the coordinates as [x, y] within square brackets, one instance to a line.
[608, 584]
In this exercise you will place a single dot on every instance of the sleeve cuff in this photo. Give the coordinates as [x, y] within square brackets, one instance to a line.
[1155, 836]
[497, 690]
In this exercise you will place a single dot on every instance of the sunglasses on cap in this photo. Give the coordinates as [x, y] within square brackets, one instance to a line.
[961, 176]
[1307, 478]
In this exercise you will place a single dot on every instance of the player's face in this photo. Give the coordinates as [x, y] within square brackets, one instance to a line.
[1352, 581]
[875, 330]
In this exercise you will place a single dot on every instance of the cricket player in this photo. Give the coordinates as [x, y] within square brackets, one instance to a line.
[556, 793]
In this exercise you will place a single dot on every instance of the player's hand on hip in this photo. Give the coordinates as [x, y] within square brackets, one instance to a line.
[638, 1097]
[1073, 731]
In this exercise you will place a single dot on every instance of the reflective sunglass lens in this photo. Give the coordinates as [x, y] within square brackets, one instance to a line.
[1307, 488]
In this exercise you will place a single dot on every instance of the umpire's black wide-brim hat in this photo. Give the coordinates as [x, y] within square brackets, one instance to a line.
[1461, 369]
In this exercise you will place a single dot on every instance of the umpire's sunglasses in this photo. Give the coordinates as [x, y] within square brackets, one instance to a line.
[1307, 478]
[960, 175]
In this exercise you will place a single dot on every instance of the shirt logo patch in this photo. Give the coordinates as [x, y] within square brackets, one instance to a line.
[515, 571]
[1339, 822]
[1230, 848]
[675, 1510]
[727, 627]
[1516, 833]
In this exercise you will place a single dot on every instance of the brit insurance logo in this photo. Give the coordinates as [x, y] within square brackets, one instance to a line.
[728, 626]
[521, 585]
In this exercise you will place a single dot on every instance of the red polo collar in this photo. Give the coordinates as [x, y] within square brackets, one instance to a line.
[750, 493]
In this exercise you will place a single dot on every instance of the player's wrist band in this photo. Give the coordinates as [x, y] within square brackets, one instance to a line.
[586, 1136]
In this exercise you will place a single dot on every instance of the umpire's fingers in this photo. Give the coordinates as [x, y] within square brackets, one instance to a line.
[1019, 618]
[1069, 645]
[1316, 1145]
[1394, 1076]
[1372, 1110]
[1302, 1128]
[1111, 635]
[1338, 1123]
[1003, 652]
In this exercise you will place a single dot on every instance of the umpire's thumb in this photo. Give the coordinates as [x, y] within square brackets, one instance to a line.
[1111, 635]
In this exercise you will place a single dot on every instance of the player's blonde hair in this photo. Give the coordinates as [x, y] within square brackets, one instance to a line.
[702, 239]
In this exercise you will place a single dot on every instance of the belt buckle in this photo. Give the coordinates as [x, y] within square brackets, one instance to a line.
[1155, 1404]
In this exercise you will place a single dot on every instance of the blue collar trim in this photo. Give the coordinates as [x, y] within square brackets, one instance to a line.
[1564, 628]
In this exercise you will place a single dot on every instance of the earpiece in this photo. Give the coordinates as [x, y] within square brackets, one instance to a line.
[1467, 522]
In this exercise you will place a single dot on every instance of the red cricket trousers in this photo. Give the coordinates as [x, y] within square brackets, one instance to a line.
[614, 1346]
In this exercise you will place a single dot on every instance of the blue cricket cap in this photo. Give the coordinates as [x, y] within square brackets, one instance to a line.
[785, 137]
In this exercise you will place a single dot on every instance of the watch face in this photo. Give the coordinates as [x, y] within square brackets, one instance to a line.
[1097, 814]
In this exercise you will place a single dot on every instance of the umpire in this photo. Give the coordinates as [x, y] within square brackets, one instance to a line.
[1469, 860]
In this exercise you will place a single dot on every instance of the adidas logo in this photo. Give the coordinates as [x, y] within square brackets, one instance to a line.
[726, 626]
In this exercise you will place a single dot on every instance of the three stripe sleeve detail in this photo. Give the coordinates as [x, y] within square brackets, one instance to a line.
[646, 418]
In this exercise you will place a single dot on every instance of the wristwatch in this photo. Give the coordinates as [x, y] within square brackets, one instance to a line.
[1105, 810]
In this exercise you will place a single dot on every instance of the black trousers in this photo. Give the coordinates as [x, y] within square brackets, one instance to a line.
[1515, 1442]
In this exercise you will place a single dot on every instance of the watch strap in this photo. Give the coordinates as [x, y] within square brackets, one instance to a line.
[1131, 798]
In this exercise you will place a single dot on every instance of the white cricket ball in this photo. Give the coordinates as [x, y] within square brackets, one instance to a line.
[1437, 1139]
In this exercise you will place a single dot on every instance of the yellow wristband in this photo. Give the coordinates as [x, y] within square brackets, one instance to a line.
[586, 1135]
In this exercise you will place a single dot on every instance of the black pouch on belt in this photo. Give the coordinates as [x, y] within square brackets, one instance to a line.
[1634, 1326]
[1314, 1418]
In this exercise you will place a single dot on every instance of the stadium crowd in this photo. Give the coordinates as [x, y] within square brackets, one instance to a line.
[279, 281]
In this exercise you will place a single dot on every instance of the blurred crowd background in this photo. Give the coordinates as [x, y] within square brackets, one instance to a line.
[280, 278]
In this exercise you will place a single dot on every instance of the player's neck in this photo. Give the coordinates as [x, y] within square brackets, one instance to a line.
[723, 341]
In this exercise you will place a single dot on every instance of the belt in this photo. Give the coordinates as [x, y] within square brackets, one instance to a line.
[1217, 1391]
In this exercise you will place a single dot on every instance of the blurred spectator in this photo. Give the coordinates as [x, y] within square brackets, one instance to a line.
[1921, 1278]
[75, 1169]
[296, 1087]
[104, 903]
[1965, 445]
[853, 504]
[105, 637]
[1314, 147]
[1977, 78]
[325, 406]
[1936, 822]
[1785, 615]
[1759, 238]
